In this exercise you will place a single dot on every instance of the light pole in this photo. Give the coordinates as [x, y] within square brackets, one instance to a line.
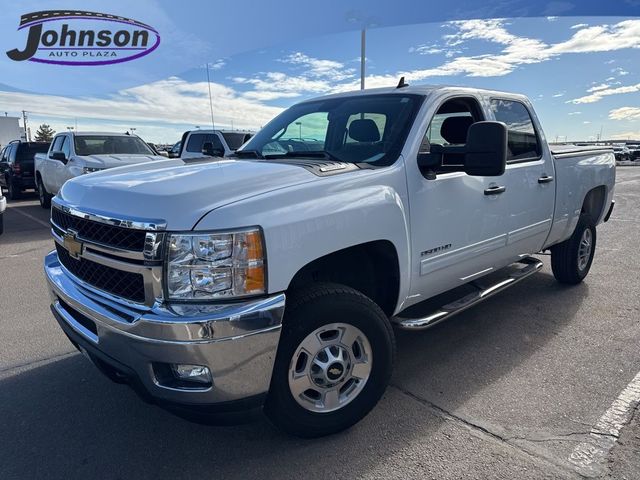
[70, 129]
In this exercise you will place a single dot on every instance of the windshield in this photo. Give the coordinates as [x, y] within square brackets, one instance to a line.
[110, 144]
[357, 129]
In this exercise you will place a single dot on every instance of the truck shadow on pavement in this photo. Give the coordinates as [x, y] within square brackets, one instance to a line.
[64, 420]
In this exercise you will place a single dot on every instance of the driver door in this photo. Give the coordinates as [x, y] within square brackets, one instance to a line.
[458, 229]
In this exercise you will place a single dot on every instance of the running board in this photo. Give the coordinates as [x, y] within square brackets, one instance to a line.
[531, 266]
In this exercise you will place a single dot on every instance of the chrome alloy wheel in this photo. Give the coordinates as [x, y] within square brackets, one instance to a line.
[584, 250]
[330, 367]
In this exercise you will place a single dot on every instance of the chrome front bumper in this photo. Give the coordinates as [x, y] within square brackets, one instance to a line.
[237, 341]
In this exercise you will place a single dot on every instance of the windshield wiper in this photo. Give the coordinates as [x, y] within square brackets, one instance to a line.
[248, 154]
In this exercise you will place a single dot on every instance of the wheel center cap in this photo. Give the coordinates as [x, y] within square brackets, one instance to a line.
[335, 371]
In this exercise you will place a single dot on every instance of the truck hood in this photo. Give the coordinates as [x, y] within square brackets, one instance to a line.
[176, 191]
[117, 160]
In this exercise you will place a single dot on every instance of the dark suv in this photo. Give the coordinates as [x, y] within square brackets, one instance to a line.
[16, 166]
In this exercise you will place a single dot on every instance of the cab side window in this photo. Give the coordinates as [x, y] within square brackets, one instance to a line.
[57, 144]
[66, 147]
[446, 136]
[523, 143]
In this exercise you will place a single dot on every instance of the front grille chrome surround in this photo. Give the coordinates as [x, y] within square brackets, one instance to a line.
[117, 257]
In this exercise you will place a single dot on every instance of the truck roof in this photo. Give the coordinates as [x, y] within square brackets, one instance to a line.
[421, 90]
[110, 134]
[219, 130]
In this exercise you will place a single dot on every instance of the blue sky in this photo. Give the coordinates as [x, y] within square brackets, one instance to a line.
[581, 73]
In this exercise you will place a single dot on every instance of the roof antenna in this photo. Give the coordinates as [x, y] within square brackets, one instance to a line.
[401, 83]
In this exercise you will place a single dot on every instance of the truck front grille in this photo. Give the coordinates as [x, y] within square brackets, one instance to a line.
[109, 235]
[122, 284]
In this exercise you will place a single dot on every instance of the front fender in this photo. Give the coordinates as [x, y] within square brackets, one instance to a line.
[305, 222]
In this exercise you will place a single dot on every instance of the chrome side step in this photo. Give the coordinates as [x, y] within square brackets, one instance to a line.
[531, 266]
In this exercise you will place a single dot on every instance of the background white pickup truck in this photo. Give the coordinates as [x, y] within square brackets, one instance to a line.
[72, 154]
[274, 279]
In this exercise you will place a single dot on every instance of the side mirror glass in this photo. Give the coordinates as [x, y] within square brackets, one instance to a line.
[486, 149]
[58, 155]
[207, 149]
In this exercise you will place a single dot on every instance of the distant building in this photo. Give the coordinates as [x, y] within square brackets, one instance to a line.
[10, 129]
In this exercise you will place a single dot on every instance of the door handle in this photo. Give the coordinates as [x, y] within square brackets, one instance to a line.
[497, 190]
[545, 179]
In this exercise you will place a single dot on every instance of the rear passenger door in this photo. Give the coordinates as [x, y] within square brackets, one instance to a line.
[3, 165]
[529, 178]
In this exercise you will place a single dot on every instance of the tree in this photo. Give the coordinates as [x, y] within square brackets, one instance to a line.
[45, 133]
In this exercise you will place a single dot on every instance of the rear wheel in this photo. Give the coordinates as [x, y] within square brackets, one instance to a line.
[572, 259]
[13, 193]
[334, 361]
[43, 195]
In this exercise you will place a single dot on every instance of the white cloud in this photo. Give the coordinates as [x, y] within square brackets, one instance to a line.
[552, 19]
[602, 86]
[575, 113]
[579, 25]
[315, 67]
[621, 72]
[559, 94]
[626, 135]
[625, 113]
[586, 122]
[171, 101]
[519, 50]
[605, 91]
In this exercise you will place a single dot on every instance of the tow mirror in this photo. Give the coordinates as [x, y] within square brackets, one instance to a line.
[207, 149]
[58, 155]
[486, 149]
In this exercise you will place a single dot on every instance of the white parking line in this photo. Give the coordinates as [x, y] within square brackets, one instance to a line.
[590, 457]
[28, 215]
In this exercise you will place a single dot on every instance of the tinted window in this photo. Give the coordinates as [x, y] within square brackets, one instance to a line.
[235, 140]
[358, 129]
[26, 151]
[523, 141]
[197, 141]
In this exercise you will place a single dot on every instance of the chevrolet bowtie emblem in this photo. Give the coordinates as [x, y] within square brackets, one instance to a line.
[72, 244]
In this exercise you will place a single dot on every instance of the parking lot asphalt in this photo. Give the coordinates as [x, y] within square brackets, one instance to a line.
[513, 388]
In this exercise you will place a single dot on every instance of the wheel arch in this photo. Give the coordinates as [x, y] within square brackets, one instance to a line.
[372, 268]
[594, 203]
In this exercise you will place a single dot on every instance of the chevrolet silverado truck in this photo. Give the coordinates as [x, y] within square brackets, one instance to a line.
[72, 154]
[272, 281]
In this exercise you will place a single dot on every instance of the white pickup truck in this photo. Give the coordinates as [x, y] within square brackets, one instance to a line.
[72, 154]
[272, 281]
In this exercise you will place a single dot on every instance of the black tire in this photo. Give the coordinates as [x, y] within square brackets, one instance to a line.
[13, 193]
[307, 310]
[43, 195]
[565, 262]
[1, 223]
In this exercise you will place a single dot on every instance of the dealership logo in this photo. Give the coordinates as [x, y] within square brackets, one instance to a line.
[70, 37]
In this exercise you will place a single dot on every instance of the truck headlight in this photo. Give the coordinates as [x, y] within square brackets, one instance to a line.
[216, 265]
[86, 170]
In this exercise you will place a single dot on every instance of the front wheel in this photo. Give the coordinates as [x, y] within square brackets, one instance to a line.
[571, 259]
[334, 361]
[43, 195]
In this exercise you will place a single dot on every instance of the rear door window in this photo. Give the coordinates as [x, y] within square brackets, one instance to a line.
[523, 143]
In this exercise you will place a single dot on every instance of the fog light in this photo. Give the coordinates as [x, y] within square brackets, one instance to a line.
[192, 373]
